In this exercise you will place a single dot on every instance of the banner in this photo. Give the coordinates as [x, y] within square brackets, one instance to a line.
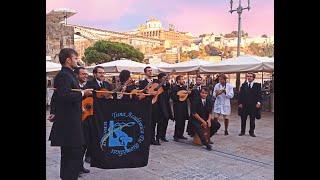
[120, 133]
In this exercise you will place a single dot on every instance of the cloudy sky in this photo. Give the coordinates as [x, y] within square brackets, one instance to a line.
[195, 16]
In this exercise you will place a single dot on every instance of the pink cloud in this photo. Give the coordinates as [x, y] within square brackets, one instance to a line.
[95, 10]
[200, 19]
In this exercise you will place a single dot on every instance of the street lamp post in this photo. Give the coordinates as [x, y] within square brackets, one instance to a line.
[239, 11]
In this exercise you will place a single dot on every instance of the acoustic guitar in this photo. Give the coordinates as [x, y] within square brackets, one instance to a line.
[158, 89]
[104, 93]
[87, 107]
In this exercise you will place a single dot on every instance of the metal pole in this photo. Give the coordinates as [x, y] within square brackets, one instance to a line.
[239, 10]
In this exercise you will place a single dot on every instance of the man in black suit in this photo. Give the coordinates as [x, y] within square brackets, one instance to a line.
[180, 109]
[249, 103]
[200, 117]
[66, 130]
[155, 110]
[98, 82]
[164, 108]
[82, 76]
[195, 93]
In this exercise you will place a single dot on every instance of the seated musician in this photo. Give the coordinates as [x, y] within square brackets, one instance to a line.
[126, 84]
[201, 116]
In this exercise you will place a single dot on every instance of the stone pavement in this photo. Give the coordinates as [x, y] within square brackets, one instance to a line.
[233, 157]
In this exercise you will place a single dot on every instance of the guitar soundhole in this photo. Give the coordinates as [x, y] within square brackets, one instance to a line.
[88, 107]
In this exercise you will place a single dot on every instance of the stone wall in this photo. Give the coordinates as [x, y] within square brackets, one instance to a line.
[58, 36]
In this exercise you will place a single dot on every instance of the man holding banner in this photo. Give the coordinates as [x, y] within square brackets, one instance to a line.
[66, 130]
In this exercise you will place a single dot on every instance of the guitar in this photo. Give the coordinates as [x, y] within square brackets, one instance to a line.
[183, 95]
[158, 89]
[87, 107]
[104, 93]
[140, 93]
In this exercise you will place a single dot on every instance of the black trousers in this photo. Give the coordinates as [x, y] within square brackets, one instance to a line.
[154, 123]
[179, 127]
[162, 128]
[85, 153]
[215, 126]
[252, 123]
[71, 158]
[85, 150]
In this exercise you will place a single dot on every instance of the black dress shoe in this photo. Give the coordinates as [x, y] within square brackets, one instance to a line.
[209, 147]
[241, 134]
[84, 170]
[252, 135]
[210, 142]
[87, 160]
[164, 139]
[226, 133]
[176, 139]
[155, 143]
[182, 137]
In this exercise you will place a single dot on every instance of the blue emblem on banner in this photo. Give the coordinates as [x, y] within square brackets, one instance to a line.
[123, 134]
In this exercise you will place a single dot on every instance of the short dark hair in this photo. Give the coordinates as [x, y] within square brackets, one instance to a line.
[124, 75]
[66, 53]
[77, 70]
[95, 69]
[253, 74]
[161, 75]
[178, 78]
[206, 89]
[198, 77]
[145, 69]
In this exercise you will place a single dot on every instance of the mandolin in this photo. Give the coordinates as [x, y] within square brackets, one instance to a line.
[183, 95]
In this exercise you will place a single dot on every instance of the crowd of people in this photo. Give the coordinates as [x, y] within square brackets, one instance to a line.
[208, 106]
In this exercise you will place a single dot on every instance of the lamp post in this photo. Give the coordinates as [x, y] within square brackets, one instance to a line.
[239, 11]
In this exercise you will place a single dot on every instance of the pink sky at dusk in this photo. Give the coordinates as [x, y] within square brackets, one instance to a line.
[197, 17]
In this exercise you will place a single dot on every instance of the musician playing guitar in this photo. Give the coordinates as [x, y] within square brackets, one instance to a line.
[98, 82]
[180, 109]
[155, 110]
[126, 85]
[163, 105]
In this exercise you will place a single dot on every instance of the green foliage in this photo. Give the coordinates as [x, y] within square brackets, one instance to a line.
[105, 51]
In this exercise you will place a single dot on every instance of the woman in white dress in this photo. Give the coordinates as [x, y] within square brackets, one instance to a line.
[222, 93]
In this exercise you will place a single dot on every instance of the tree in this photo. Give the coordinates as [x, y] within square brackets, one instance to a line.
[105, 51]
[264, 36]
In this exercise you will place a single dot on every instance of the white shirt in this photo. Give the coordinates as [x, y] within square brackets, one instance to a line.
[82, 85]
[99, 82]
[149, 80]
[250, 84]
[222, 102]
[203, 101]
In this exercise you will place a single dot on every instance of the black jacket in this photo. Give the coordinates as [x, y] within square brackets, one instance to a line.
[164, 102]
[66, 129]
[202, 111]
[249, 97]
[180, 108]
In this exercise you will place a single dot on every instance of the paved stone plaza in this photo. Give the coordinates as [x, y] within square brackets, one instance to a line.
[233, 157]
